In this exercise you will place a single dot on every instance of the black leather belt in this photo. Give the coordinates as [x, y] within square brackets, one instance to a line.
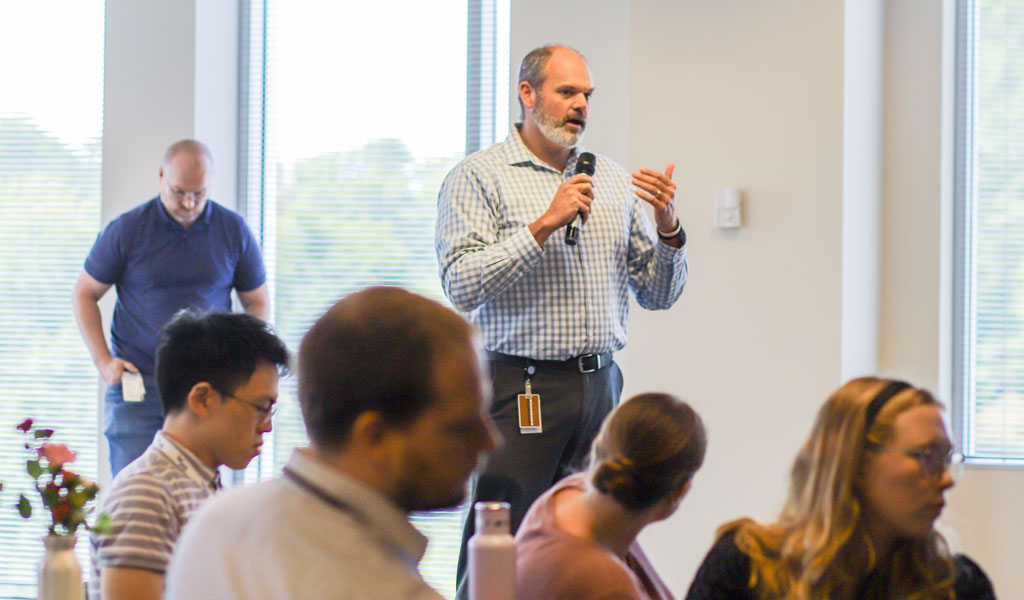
[587, 363]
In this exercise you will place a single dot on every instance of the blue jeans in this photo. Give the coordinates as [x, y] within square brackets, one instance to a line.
[130, 426]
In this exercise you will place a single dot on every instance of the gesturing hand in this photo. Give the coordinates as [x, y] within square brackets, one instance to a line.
[658, 190]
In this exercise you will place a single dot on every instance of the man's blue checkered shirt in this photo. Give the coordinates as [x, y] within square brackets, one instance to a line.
[557, 301]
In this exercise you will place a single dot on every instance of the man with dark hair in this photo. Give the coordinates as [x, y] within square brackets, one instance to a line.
[218, 376]
[178, 250]
[392, 392]
[552, 312]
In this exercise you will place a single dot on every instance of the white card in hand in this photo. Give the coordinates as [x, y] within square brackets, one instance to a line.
[132, 388]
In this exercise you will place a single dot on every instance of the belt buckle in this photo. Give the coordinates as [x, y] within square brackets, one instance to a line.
[583, 369]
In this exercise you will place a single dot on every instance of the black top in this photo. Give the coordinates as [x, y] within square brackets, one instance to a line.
[725, 573]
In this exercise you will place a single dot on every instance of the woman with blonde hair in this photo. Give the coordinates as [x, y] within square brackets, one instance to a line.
[578, 540]
[865, 491]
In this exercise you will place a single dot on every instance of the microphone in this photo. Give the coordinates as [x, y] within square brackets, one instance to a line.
[584, 164]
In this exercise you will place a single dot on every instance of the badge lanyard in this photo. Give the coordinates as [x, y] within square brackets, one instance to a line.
[321, 495]
[529, 406]
[184, 465]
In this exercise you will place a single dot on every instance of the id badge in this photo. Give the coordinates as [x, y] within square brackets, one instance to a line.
[529, 411]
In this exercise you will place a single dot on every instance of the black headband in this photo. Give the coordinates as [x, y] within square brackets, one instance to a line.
[879, 401]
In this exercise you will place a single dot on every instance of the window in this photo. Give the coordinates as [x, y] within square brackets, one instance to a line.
[351, 121]
[51, 119]
[989, 234]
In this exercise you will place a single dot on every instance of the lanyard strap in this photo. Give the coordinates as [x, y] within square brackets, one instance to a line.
[323, 496]
[173, 454]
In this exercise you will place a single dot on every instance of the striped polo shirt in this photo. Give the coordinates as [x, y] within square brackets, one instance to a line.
[149, 502]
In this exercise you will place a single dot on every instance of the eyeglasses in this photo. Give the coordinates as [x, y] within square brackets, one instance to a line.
[266, 413]
[181, 194]
[934, 462]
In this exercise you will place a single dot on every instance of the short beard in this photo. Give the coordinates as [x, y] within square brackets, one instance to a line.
[412, 497]
[553, 130]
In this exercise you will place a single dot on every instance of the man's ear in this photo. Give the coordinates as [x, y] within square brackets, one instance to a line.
[373, 437]
[527, 94]
[202, 398]
[369, 429]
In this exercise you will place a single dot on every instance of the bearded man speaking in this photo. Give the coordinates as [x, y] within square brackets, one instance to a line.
[553, 308]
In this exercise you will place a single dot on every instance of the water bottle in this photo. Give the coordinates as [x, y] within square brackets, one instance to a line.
[492, 554]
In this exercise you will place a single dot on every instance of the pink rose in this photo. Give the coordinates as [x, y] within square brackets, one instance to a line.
[57, 454]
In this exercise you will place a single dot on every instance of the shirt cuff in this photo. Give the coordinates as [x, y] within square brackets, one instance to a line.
[669, 254]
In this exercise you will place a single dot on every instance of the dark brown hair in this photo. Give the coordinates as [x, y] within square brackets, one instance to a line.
[647, 448]
[373, 350]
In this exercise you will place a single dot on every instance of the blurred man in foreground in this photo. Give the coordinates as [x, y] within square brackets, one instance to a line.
[395, 403]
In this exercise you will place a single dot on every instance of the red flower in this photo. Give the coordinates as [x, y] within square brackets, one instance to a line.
[61, 512]
[69, 479]
[64, 493]
[56, 454]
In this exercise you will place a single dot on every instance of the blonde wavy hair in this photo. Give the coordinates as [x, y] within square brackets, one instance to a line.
[818, 549]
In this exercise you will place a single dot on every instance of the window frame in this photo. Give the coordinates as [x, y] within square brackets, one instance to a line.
[487, 119]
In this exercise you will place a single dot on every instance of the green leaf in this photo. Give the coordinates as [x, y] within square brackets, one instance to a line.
[103, 524]
[51, 496]
[42, 433]
[33, 468]
[24, 507]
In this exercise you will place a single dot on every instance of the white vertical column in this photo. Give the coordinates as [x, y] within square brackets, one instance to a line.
[863, 26]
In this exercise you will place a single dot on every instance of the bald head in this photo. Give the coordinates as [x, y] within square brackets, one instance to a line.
[195, 149]
[185, 175]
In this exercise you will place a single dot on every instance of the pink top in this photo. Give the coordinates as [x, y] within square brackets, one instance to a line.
[553, 563]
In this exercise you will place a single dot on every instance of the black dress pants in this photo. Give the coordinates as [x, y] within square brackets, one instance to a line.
[573, 406]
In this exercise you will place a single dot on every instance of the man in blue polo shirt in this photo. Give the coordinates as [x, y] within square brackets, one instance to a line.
[175, 251]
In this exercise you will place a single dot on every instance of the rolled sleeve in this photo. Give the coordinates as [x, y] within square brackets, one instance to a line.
[657, 271]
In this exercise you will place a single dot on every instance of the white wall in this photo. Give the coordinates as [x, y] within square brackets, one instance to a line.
[747, 94]
[147, 95]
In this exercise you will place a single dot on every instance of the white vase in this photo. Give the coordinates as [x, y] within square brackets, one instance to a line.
[60, 574]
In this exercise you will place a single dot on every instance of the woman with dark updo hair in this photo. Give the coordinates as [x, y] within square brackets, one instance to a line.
[578, 540]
